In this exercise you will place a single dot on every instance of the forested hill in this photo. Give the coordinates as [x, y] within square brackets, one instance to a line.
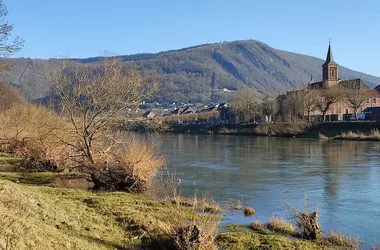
[199, 73]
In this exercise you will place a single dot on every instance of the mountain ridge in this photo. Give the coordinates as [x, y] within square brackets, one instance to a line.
[199, 73]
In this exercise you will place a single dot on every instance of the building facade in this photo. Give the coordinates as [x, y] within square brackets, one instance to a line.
[341, 109]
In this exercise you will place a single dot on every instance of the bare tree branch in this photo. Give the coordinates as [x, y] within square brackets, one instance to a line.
[90, 95]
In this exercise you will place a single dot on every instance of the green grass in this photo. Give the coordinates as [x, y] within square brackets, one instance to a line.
[35, 216]
[256, 240]
[234, 237]
[39, 217]
[8, 163]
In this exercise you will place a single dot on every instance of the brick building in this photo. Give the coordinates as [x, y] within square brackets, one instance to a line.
[341, 109]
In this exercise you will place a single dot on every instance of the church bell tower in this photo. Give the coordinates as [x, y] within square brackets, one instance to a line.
[330, 70]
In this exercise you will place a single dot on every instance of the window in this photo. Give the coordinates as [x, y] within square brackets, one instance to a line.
[374, 100]
[367, 101]
[332, 73]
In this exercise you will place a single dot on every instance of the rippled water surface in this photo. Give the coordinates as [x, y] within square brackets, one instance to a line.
[341, 177]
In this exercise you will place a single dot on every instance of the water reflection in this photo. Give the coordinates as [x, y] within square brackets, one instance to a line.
[340, 176]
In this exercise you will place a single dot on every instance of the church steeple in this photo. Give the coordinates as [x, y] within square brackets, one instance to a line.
[330, 70]
[329, 57]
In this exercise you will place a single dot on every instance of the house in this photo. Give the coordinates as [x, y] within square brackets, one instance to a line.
[149, 114]
[353, 90]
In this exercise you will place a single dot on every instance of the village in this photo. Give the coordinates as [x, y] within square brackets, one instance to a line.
[332, 99]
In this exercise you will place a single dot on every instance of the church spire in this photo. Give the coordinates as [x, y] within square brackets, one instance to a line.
[329, 57]
[330, 70]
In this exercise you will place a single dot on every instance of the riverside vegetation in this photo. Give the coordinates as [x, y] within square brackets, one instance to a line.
[38, 213]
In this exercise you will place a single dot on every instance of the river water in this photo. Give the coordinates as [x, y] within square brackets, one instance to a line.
[342, 178]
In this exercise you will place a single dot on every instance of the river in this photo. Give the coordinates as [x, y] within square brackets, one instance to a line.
[342, 178]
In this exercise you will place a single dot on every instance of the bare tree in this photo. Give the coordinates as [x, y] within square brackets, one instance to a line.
[268, 107]
[296, 104]
[7, 47]
[327, 97]
[245, 105]
[91, 95]
[9, 96]
[355, 97]
[310, 102]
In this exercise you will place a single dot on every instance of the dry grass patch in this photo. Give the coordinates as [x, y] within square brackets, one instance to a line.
[373, 135]
[322, 136]
[342, 240]
[279, 225]
[258, 226]
[249, 211]
[203, 204]
[282, 129]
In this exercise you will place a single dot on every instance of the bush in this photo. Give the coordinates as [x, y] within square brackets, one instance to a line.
[306, 221]
[36, 135]
[128, 166]
[249, 211]
[282, 129]
[258, 226]
[279, 225]
[9, 97]
[47, 142]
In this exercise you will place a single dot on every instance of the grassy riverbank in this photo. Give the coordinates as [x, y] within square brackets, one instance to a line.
[329, 129]
[36, 215]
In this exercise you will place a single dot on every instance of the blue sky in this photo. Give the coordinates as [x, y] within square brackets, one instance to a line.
[86, 28]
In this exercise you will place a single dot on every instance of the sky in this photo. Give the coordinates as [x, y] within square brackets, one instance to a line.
[88, 28]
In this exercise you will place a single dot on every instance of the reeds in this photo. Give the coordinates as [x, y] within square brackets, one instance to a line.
[279, 225]
[339, 239]
[373, 135]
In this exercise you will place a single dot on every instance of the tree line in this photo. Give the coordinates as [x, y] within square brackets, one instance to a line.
[298, 105]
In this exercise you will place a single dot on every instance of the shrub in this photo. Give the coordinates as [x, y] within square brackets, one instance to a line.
[249, 211]
[9, 97]
[47, 142]
[342, 240]
[125, 165]
[35, 134]
[279, 225]
[284, 129]
[258, 226]
[306, 221]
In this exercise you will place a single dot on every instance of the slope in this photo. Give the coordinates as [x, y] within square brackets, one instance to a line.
[199, 73]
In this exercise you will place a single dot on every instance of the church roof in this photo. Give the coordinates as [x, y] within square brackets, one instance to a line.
[354, 84]
[329, 57]
[348, 84]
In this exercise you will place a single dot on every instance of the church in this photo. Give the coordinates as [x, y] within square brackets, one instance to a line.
[341, 110]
